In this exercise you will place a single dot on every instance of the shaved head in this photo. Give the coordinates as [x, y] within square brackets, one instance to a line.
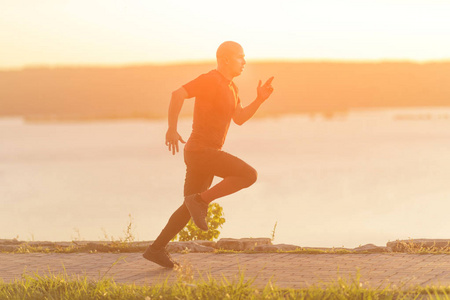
[230, 59]
[228, 49]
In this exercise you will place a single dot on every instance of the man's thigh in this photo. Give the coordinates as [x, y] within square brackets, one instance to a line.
[202, 166]
[198, 177]
[224, 164]
[218, 163]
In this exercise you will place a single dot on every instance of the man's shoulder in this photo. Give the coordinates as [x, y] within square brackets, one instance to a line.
[202, 84]
[211, 74]
[209, 78]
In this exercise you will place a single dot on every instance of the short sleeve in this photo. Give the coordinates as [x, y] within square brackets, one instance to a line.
[196, 86]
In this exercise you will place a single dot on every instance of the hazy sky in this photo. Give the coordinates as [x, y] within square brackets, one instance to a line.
[80, 32]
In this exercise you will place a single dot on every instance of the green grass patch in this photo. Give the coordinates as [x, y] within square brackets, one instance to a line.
[63, 287]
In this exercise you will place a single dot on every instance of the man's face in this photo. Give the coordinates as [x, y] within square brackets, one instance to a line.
[236, 62]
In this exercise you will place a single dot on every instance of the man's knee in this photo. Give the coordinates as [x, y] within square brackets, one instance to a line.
[251, 177]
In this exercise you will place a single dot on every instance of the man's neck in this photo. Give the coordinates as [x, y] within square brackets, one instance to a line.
[225, 74]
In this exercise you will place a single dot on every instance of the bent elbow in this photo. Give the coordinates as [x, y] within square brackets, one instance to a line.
[238, 122]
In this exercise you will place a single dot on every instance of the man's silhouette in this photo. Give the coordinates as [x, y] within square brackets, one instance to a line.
[216, 104]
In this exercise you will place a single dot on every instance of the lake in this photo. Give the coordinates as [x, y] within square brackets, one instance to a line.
[361, 177]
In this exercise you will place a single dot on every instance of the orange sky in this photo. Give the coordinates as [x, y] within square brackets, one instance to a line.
[83, 32]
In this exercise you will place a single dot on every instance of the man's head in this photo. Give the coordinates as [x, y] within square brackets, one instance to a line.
[230, 58]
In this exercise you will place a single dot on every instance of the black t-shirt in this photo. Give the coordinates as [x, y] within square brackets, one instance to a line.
[216, 99]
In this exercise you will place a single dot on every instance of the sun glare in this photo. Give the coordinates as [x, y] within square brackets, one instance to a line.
[122, 32]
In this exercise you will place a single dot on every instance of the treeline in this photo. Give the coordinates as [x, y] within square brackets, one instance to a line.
[144, 91]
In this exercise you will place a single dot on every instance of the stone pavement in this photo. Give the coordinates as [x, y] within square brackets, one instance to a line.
[283, 269]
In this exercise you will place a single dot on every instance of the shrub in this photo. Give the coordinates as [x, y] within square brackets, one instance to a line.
[214, 219]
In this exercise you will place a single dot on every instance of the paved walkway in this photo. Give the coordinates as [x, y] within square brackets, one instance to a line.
[284, 270]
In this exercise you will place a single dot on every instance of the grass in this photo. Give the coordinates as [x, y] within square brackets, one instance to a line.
[410, 247]
[107, 247]
[273, 231]
[185, 287]
[74, 248]
[297, 251]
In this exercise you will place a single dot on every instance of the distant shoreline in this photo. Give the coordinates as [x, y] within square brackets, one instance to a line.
[398, 113]
[143, 91]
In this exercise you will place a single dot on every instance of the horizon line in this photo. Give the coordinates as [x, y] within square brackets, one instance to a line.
[205, 62]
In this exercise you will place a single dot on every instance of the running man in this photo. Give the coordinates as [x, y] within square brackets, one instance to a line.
[216, 104]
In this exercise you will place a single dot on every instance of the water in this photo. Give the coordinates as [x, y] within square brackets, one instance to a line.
[366, 177]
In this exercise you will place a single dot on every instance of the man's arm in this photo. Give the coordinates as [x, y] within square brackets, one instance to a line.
[242, 115]
[176, 103]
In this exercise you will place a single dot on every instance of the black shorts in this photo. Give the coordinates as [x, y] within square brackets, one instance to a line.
[202, 166]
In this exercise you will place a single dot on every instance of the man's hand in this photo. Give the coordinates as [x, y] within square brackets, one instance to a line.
[172, 138]
[264, 91]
